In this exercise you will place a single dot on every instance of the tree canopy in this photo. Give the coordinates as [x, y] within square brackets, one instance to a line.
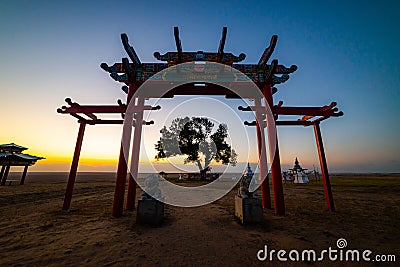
[193, 138]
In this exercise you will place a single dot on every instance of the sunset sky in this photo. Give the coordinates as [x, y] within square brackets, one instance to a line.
[346, 51]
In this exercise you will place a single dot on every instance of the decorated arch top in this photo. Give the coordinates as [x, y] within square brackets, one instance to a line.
[173, 57]
[138, 72]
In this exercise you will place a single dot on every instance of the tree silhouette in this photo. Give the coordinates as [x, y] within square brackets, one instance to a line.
[193, 139]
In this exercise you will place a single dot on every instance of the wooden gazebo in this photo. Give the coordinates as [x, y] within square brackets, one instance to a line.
[11, 155]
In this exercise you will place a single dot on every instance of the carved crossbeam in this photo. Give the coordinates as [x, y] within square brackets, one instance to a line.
[84, 109]
[76, 110]
[307, 113]
[147, 70]
[290, 122]
[172, 57]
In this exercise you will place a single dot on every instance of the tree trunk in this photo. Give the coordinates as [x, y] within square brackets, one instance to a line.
[207, 166]
[199, 165]
[200, 168]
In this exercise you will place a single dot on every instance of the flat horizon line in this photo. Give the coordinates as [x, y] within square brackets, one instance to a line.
[330, 173]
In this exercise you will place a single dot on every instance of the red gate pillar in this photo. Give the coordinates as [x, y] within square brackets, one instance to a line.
[262, 156]
[131, 197]
[3, 181]
[74, 167]
[24, 175]
[324, 168]
[279, 201]
[2, 172]
[120, 181]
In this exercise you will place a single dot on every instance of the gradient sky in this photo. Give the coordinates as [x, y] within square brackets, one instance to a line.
[346, 51]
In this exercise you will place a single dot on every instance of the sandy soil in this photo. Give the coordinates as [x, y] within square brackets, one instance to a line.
[35, 232]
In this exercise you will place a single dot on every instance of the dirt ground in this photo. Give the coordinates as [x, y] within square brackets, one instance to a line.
[35, 232]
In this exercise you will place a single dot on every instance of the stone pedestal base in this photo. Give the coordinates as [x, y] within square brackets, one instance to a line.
[248, 210]
[150, 211]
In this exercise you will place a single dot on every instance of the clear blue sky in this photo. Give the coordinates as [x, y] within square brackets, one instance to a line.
[346, 51]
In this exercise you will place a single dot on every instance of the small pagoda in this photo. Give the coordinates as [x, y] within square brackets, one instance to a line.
[11, 155]
[297, 167]
[297, 174]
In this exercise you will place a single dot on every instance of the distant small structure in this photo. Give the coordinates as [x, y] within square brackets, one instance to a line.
[297, 174]
[11, 155]
[297, 166]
